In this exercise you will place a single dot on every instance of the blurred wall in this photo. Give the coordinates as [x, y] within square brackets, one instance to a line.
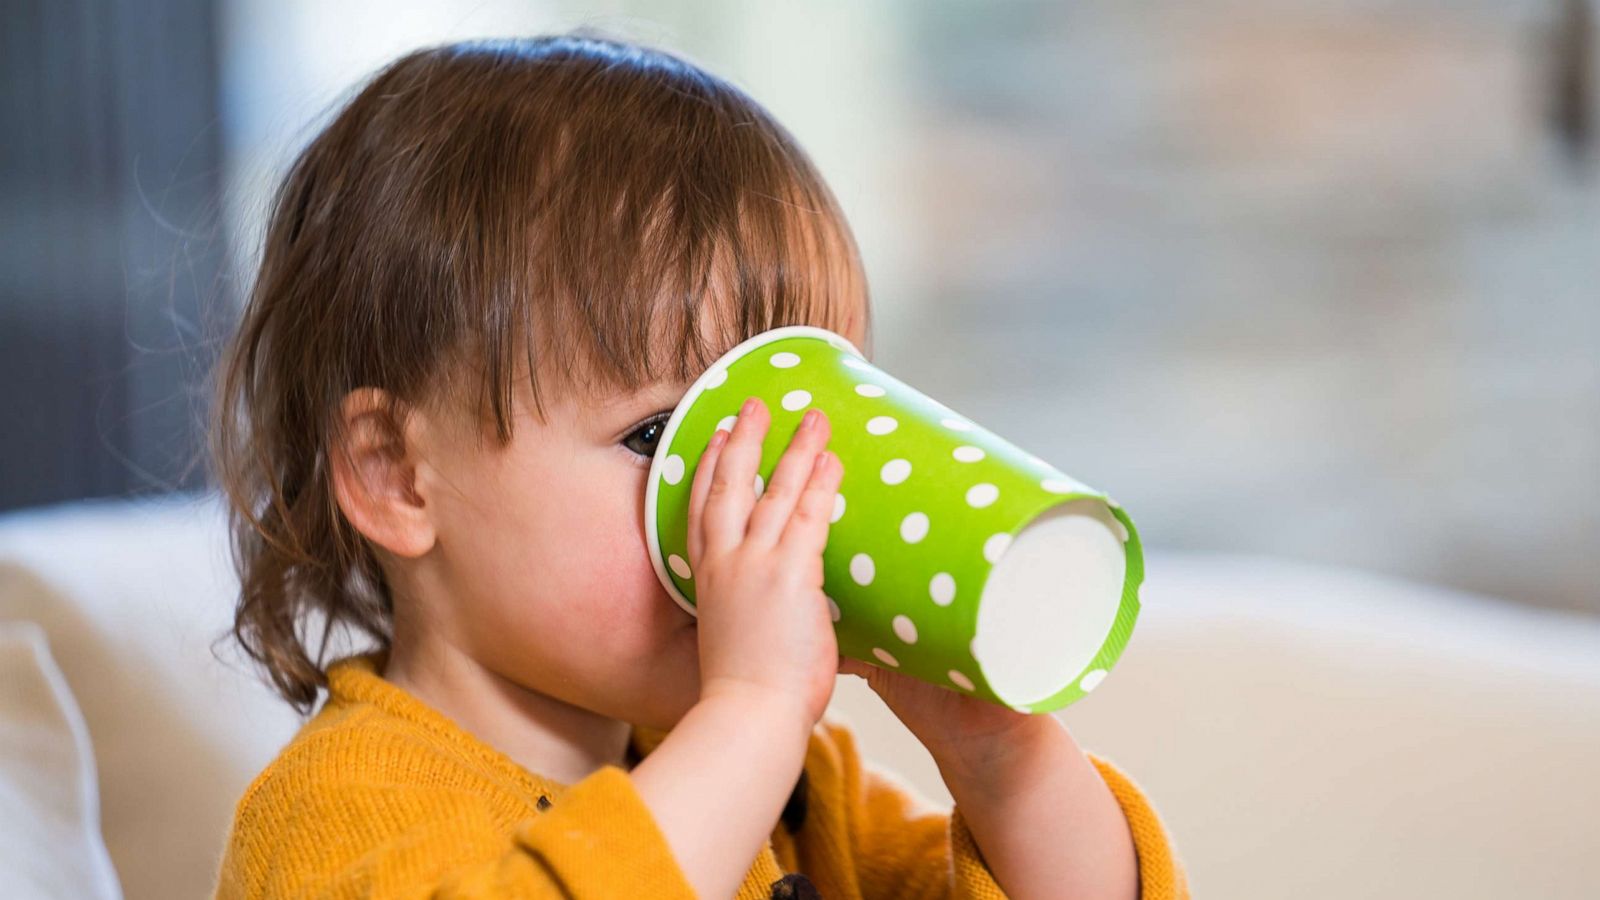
[110, 168]
[1310, 279]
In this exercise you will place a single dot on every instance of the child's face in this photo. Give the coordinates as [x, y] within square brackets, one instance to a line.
[541, 570]
[541, 562]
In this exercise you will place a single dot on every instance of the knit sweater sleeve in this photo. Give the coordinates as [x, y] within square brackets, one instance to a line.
[383, 838]
[1161, 875]
[900, 848]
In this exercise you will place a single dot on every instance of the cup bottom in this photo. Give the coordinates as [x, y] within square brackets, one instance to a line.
[1050, 601]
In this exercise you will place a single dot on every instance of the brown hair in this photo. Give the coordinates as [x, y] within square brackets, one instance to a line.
[573, 197]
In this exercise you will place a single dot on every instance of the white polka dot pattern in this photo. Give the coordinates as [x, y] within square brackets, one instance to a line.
[996, 545]
[862, 569]
[905, 629]
[981, 495]
[672, 469]
[895, 471]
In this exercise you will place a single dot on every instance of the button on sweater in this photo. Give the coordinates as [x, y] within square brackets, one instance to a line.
[380, 795]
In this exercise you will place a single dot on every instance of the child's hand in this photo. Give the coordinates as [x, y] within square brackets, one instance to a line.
[765, 628]
[961, 732]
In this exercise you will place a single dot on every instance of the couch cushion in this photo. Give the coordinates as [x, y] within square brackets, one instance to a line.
[1305, 730]
[1319, 731]
[131, 595]
[50, 843]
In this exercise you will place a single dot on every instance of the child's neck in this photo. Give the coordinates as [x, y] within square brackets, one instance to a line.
[546, 736]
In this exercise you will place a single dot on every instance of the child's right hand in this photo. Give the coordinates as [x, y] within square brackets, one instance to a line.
[766, 633]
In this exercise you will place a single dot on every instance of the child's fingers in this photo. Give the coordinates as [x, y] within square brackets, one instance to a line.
[733, 478]
[697, 495]
[788, 480]
[806, 533]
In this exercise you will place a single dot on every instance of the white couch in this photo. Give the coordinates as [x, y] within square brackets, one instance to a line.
[1305, 731]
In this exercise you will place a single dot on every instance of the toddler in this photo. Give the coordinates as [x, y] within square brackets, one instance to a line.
[485, 285]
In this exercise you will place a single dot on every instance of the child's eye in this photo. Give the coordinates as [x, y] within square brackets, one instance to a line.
[649, 435]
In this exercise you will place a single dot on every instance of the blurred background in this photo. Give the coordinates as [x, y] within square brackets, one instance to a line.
[1310, 282]
[1315, 279]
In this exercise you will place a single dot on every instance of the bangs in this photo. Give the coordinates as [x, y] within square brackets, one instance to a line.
[648, 246]
[693, 293]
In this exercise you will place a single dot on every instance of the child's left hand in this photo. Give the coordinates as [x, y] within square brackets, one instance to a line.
[959, 730]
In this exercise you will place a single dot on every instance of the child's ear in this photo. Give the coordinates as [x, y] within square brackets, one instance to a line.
[374, 475]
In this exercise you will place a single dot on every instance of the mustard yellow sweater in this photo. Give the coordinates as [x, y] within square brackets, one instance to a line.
[381, 795]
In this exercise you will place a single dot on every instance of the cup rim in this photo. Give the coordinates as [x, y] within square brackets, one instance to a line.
[653, 484]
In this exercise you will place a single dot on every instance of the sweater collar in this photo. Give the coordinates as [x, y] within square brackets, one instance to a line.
[356, 680]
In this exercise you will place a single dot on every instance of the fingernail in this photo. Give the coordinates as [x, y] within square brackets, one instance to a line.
[718, 438]
[748, 408]
[809, 420]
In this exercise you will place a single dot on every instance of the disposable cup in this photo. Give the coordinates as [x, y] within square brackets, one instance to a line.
[953, 555]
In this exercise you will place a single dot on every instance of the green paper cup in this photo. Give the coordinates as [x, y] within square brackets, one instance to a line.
[953, 555]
